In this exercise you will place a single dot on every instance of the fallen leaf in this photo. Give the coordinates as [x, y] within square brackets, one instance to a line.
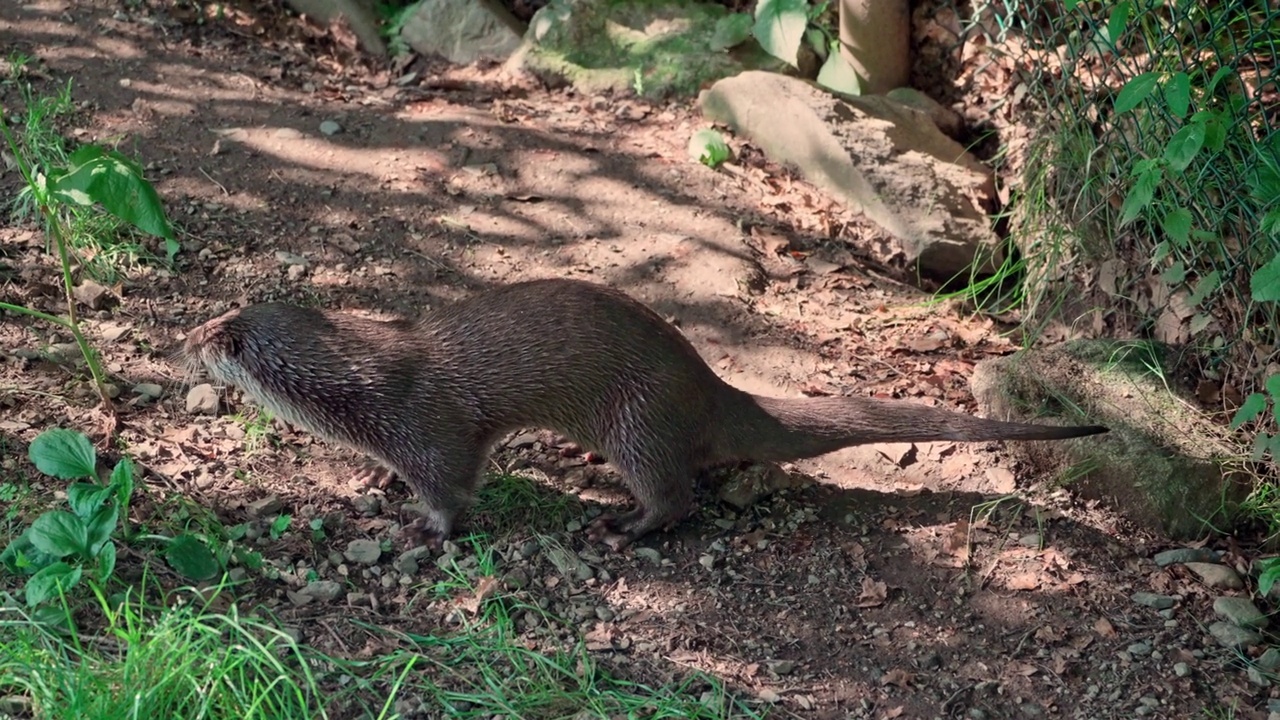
[1002, 480]
[1023, 581]
[897, 676]
[874, 593]
[957, 541]
[483, 590]
[1104, 628]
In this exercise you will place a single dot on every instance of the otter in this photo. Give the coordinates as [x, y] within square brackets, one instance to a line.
[427, 398]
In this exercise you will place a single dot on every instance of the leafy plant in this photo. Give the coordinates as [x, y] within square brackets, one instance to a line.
[782, 27]
[89, 177]
[60, 546]
[280, 525]
[709, 148]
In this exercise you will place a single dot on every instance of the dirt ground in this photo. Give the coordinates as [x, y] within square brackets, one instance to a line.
[871, 589]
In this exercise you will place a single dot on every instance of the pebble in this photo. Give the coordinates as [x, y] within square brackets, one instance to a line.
[367, 505]
[1139, 649]
[363, 552]
[1233, 637]
[323, 590]
[150, 391]
[649, 554]
[266, 507]
[1216, 576]
[202, 400]
[293, 259]
[1269, 660]
[1152, 600]
[330, 127]
[91, 295]
[1184, 555]
[1181, 669]
[1240, 611]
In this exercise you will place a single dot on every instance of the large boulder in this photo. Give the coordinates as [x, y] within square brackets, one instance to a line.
[462, 31]
[879, 156]
[1163, 465]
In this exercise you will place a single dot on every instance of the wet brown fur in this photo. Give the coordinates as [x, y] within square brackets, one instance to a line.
[428, 398]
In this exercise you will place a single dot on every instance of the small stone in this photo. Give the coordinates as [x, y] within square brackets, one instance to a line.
[782, 667]
[1240, 611]
[707, 561]
[366, 505]
[1216, 576]
[523, 440]
[91, 295]
[287, 258]
[407, 562]
[1269, 660]
[1139, 649]
[266, 507]
[1256, 676]
[322, 590]
[1232, 636]
[604, 613]
[112, 332]
[149, 391]
[649, 554]
[330, 128]
[1152, 600]
[1184, 555]
[1181, 669]
[1031, 540]
[295, 272]
[363, 552]
[202, 400]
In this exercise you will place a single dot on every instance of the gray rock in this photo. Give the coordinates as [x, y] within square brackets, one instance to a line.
[363, 552]
[1184, 555]
[202, 400]
[409, 561]
[462, 31]
[879, 157]
[1181, 669]
[1269, 660]
[266, 507]
[91, 295]
[1233, 637]
[149, 391]
[287, 258]
[367, 505]
[1216, 576]
[649, 554]
[330, 128]
[782, 667]
[1139, 649]
[1152, 600]
[1240, 611]
[319, 590]
[744, 487]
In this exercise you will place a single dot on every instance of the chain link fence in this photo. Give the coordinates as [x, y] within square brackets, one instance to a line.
[1147, 190]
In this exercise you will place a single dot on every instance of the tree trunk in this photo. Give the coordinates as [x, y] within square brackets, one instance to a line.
[875, 39]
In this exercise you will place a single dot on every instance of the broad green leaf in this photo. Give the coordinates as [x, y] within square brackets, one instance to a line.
[1273, 387]
[1249, 410]
[1118, 20]
[1183, 146]
[86, 498]
[837, 74]
[1175, 273]
[1218, 76]
[1260, 442]
[1270, 223]
[1177, 225]
[21, 557]
[1144, 188]
[709, 148]
[817, 41]
[99, 528]
[1177, 94]
[106, 562]
[1270, 573]
[779, 27]
[731, 30]
[122, 481]
[191, 557]
[46, 583]
[64, 454]
[1264, 286]
[1273, 446]
[1135, 91]
[109, 179]
[59, 533]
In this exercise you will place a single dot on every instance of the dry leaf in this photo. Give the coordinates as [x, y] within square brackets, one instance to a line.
[897, 676]
[956, 542]
[1023, 581]
[1024, 669]
[873, 593]
[1104, 628]
[484, 588]
[1002, 480]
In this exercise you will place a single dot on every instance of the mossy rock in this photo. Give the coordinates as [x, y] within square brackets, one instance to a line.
[653, 48]
[1163, 465]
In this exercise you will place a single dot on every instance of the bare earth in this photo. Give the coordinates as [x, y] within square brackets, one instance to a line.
[870, 589]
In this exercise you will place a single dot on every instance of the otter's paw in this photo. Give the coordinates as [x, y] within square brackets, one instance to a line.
[605, 529]
[422, 532]
[375, 476]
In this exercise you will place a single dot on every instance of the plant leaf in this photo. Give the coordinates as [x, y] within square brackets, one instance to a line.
[113, 181]
[1273, 387]
[59, 533]
[1206, 285]
[1250, 409]
[1264, 286]
[1118, 20]
[731, 30]
[21, 557]
[99, 528]
[191, 557]
[122, 480]
[1177, 225]
[1140, 194]
[106, 562]
[85, 498]
[837, 74]
[64, 454]
[1135, 91]
[1177, 94]
[1183, 146]
[46, 583]
[779, 27]
[708, 147]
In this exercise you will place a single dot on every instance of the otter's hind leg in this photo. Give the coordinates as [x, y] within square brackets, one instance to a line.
[662, 486]
[446, 485]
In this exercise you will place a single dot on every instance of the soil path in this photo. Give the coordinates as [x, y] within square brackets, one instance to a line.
[868, 594]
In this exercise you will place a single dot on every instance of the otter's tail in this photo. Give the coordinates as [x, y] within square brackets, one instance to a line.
[777, 429]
